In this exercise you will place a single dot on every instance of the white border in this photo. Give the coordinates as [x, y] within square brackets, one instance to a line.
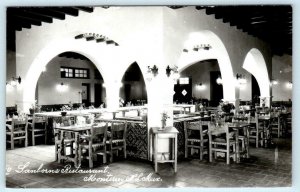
[296, 71]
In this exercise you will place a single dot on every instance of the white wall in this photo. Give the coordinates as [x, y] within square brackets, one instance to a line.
[48, 80]
[10, 72]
[282, 72]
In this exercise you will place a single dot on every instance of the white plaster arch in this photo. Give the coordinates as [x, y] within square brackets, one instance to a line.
[51, 50]
[218, 51]
[255, 64]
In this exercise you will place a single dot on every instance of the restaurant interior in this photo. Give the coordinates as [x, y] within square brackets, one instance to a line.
[149, 96]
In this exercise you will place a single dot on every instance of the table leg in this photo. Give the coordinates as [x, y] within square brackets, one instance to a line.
[155, 153]
[175, 146]
[76, 159]
[247, 137]
[237, 147]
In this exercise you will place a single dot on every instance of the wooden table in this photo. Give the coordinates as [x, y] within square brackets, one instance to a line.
[184, 107]
[245, 127]
[77, 130]
[168, 133]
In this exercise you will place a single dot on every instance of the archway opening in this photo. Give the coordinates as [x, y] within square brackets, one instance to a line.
[72, 79]
[133, 90]
[206, 45]
[198, 83]
[255, 64]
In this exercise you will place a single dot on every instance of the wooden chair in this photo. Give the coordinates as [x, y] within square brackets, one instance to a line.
[221, 139]
[63, 140]
[117, 138]
[17, 131]
[256, 132]
[37, 128]
[276, 124]
[94, 143]
[243, 134]
[196, 137]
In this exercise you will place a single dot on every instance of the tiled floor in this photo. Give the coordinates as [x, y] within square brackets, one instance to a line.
[263, 169]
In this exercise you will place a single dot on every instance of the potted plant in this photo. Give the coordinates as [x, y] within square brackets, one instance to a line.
[35, 108]
[164, 120]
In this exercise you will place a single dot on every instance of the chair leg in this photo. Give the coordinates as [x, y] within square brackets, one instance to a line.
[235, 153]
[210, 153]
[32, 136]
[56, 152]
[104, 155]
[111, 153]
[228, 155]
[26, 139]
[12, 142]
[256, 139]
[45, 137]
[186, 150]
[125, 154]
[201, 153]
[90, 158]
[79, 155]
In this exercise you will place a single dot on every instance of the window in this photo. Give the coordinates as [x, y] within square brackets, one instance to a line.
[70, 72]
[81, 73]
[184, 80]
[66, 72]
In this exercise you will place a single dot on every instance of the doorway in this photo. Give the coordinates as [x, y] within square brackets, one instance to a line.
[98, 95]
[255, 91]
[85, 94]
[216, 90]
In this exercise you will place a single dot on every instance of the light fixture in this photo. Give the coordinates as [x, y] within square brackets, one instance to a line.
[62, 87]
[152, 72]
[14, 81]
[200, 86]
[274, 82]
[202, 46]
[172, 72]
[289, 85]
[219, 81]
[241, 79]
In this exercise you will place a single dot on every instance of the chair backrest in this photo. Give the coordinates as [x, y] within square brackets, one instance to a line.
[217, 130]
[38, 119]
[68, 120]
[244, 119]
[19, 124]
[99, 133]
[118, 130]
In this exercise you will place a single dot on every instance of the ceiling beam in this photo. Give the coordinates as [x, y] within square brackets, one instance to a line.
[29, 20]
[65, 10]
[48, 13]
[85, 9]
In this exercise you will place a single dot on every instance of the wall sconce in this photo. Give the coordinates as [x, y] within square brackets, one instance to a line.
[62, 87]
[202, 46]
[172, 71]
[241, 78]
[200, 86]
[14, 81]
[274, 82]
[219, 80]
[289, 85]
[152, 72]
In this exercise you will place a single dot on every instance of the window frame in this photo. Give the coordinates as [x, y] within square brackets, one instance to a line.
[83, 70]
